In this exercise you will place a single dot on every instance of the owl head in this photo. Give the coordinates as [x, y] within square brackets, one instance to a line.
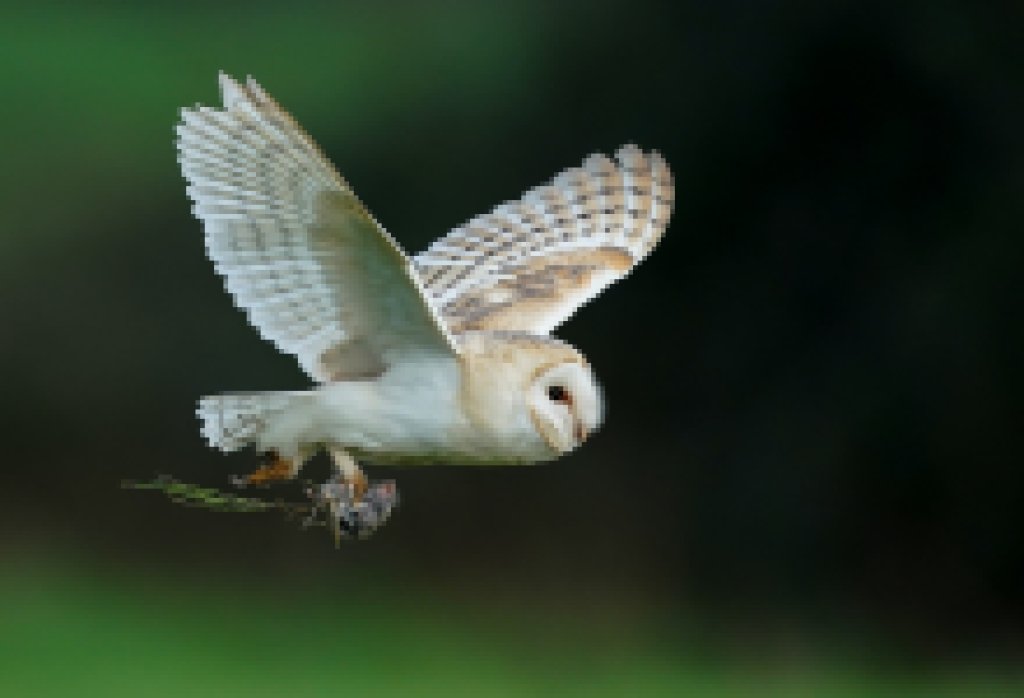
[530, 387]
[565, 404]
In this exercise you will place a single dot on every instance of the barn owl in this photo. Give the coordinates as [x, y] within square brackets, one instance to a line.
[443, 357]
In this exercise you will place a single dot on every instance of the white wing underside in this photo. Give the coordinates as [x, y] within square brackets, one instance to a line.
[298, 252]
[529, 264]
[323, 281]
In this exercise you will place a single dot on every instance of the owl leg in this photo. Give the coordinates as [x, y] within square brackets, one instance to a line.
[350, 472]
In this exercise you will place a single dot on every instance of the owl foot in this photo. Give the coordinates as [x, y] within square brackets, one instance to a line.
[352, 508]
[274, 470]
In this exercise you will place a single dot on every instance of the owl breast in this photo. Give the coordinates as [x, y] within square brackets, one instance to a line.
[429, 411]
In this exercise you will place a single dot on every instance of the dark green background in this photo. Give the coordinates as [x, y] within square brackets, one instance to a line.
[809, 482]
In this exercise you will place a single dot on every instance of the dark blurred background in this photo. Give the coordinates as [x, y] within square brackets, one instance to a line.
[809, 470]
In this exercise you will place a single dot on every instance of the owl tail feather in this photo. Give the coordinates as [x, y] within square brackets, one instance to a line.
[234, 421]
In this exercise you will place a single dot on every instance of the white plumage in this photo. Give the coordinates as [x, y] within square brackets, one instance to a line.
[529, 264]
[444, 357]
[299, 253]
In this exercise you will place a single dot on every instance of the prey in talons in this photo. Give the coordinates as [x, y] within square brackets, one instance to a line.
[348, 515]
[347, 503]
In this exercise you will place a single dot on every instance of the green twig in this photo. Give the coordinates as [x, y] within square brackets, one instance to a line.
[211, 498]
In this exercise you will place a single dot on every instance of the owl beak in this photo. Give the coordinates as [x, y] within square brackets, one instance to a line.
[580, 432]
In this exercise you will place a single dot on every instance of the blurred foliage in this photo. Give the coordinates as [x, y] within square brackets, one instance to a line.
[136, 636]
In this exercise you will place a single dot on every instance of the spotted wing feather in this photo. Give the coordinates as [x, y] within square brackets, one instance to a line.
[529, 264]
[299, 253]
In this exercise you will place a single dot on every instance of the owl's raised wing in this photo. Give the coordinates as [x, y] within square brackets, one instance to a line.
[529, 264]
[299, 253]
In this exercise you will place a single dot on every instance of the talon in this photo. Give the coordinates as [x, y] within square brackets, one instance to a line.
[276, 469]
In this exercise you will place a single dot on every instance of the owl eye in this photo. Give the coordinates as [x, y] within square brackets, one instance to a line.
[558, 393]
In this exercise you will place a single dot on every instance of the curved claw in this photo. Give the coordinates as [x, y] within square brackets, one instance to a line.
[274, 470]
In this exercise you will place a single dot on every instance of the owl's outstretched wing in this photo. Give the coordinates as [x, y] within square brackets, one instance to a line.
[299, 253]
[529, 264]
